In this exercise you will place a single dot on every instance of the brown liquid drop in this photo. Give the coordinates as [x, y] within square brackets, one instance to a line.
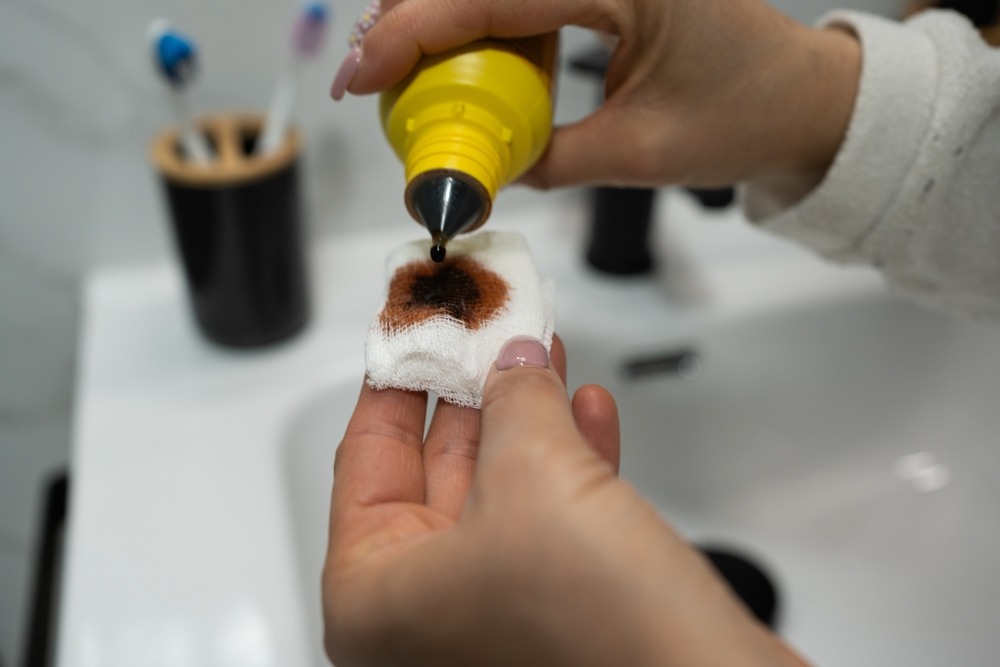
[460, 288]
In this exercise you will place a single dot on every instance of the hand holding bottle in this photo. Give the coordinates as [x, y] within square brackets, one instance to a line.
[700, 92]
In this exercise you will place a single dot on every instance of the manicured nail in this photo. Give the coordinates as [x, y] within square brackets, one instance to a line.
[522, 351]
[345, 74]
[369, 16]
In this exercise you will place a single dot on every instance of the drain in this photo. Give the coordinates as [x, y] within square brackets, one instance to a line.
[683, 363]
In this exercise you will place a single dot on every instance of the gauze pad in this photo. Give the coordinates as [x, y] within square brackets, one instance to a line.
[443, 325]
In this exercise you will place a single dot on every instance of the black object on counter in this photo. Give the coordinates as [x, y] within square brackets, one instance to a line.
[714, 197]
[621, 221]
[237, 228]
[620, 230]
[621, 226]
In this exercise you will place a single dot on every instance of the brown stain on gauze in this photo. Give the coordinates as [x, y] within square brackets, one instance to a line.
[460, 288]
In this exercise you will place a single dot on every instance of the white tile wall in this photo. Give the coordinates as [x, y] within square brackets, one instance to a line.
[78, 105]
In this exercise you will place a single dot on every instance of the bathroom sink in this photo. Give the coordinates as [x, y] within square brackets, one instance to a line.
[786, 409]
[850, 446]
[771, 403]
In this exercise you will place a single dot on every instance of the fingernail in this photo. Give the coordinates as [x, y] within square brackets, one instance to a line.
[345, 74]
[522, 351]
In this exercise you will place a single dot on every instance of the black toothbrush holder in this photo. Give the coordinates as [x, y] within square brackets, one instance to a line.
[237, 229]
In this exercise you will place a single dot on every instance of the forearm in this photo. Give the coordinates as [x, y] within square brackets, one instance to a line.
[912, 190]
[815, 110]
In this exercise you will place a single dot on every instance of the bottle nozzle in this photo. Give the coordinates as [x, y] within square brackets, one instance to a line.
[447, 203]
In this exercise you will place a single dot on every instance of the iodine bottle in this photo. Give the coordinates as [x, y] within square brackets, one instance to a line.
[467, 122]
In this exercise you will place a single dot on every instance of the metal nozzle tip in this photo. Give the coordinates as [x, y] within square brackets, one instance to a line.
[448, 205]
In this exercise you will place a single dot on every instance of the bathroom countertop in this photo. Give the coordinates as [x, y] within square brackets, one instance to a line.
[181, 549]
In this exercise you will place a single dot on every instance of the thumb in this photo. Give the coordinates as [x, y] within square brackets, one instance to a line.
[525, 407]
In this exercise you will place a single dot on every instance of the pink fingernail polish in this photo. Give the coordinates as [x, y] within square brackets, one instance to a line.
[345, 74]
[522, 351]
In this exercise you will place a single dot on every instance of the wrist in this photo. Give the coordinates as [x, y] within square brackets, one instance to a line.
[836, 73]
[822, 90]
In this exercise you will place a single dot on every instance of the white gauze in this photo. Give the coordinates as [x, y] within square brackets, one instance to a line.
[442, 325]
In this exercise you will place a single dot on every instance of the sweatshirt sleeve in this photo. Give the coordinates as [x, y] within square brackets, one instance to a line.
[915, 188]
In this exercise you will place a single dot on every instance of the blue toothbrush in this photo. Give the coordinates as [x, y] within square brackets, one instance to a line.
[176, 59]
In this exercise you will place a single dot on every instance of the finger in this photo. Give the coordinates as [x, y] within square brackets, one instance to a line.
[596, 415]
[379, 459]
[450, 455]
[557, 356]
[607, 147]
[525, 404]
[452, 448]
[413, 28]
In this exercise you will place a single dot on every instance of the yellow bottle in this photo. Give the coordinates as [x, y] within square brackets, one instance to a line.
[467, 122]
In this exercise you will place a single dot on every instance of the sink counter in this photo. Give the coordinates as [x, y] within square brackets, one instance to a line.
[201, 476]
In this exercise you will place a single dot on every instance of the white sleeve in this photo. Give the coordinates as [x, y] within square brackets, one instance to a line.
[915, 187]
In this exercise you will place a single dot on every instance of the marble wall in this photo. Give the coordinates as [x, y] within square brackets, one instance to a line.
[78, 107]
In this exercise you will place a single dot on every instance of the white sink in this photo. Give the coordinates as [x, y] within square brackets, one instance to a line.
[851, 445]
[843, 438]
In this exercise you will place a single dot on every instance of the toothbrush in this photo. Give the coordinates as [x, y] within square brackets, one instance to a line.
[307, 41]
[176, 59]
